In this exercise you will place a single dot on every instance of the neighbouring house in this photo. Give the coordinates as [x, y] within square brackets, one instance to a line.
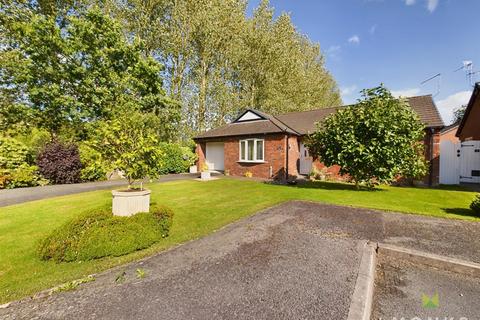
[273, 147]
[449, 133]
[460, 161]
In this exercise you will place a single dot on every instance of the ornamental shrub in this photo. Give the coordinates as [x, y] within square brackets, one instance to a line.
[60, 162]
[23, 176]
[101, 234]
[176, 158]
[475, 205]
[93, 166]
[13, 153]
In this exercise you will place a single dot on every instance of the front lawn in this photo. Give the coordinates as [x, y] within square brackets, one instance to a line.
[200, 208]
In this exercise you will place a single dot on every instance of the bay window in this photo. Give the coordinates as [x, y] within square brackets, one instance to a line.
[252, 150]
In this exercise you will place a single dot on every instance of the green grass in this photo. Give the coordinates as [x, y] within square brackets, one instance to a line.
[200, 208]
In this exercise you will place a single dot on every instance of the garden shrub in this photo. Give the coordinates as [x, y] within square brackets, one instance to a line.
[23, 176]
[101, 234]
[13, 153]
[176, 158]
[60, 162]
[93, 166]
[475, 205]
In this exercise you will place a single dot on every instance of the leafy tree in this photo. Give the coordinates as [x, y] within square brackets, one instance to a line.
[81, 70]
[458, 114]
[129, 143]
[375, 141]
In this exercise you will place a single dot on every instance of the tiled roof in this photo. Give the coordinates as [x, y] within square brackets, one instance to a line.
[304, 122]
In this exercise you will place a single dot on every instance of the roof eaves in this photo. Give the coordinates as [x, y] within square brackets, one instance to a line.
[475, 92]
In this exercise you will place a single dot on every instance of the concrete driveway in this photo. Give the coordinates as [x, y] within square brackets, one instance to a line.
[298, 260]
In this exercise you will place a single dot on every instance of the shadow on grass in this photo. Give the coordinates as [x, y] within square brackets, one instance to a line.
[450, 187]
[466, 212]
[324, 185]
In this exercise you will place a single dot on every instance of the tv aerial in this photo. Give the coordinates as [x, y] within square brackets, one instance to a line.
[438, 79]
[467, 66]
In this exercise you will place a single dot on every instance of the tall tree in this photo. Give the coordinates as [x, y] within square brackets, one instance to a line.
[82, 70]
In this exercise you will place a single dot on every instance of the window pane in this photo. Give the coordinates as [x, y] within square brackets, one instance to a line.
[242, 150]
[250, 149]
[259, 149]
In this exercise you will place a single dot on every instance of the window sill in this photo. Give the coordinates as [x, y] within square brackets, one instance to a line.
[250, 161]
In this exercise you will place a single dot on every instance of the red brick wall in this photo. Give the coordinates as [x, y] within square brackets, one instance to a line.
[333, 171]
[200, 151]
[432, 149]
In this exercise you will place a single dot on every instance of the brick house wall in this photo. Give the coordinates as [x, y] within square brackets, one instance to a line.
[274, 164]
[471, 127]
[274, 156]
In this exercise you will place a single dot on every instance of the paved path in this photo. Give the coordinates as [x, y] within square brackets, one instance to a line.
[20, 195]
[298, 260]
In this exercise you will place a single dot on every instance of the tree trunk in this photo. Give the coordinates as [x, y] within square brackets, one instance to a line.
[202, 96]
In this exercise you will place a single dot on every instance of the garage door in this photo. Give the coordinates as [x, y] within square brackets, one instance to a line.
[214, 155]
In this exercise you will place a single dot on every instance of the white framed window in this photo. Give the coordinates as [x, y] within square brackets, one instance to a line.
[252, 150]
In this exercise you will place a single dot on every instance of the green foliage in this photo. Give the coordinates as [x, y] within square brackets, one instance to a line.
[24, 175]
[72, 285]
[176, 158]
[100, 234]
[140, 273]
[93, 165]
[15, 165]
[13, 153]
[220, 60]
[475, 205]
[375, 141]
[130, 144]
[79, 69]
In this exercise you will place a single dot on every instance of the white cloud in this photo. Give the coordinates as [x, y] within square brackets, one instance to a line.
[432, 5]
[373, 29]
[406, 92]
[346, 91]
[449, 104]
[409, 2]
[354, 39]
[334, 52]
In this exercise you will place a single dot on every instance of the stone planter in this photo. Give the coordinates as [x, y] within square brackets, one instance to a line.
[205, 175]
[128, 203]
[193, 169]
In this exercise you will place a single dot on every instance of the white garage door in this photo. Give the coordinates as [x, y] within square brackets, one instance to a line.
[214, 155]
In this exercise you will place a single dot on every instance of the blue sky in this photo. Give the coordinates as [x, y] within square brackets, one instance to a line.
[396, 42]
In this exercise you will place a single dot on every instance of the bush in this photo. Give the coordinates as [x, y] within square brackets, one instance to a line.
[475, 205]
[93, 166]
[22, 176]
[13, 153]
[60, 162]
[101, 234]
[176, 158]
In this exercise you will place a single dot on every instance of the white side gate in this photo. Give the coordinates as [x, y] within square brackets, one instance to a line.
[470, 162]
[459, 162]
[449, 162]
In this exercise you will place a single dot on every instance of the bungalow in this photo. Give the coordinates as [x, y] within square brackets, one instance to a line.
[273, 147]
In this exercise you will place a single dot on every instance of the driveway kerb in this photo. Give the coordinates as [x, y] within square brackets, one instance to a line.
[431, 260]
[362, 298]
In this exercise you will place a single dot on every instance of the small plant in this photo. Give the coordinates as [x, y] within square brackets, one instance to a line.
[248, 174]
[475, 205]
[121, 277]
[227, 172]
[72, 285]
[141, 273]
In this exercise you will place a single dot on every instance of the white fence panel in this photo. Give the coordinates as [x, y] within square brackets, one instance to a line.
[449, 162]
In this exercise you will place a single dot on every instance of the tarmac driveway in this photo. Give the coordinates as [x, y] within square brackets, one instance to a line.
[298, 260]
